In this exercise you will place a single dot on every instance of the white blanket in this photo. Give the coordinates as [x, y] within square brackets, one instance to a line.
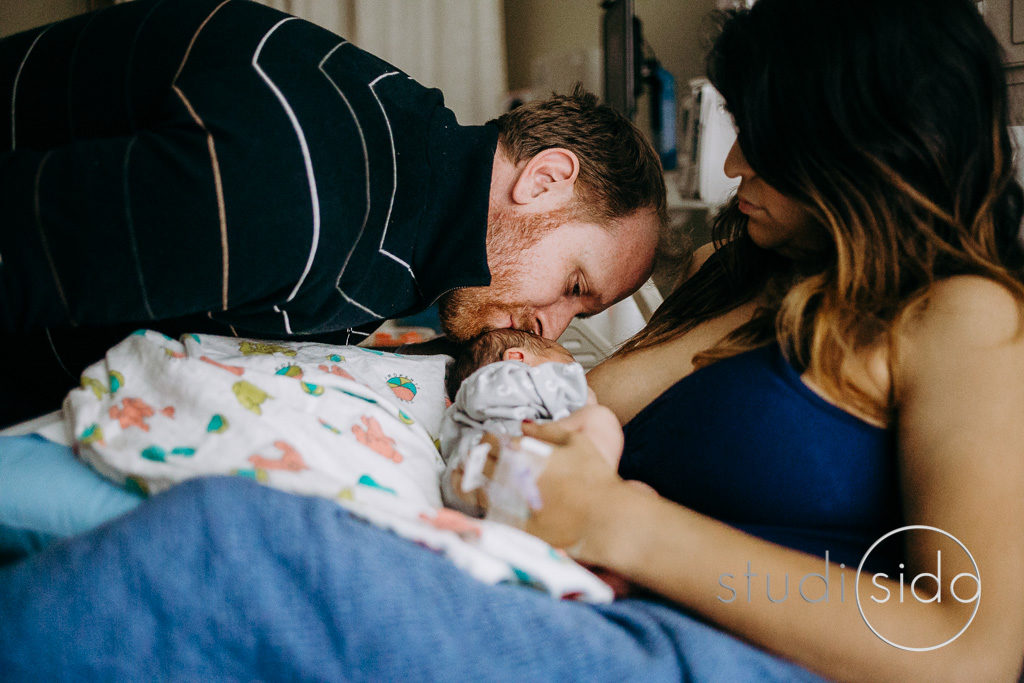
[351, 424]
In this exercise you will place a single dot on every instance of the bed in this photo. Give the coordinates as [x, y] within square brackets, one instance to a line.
[223, 577]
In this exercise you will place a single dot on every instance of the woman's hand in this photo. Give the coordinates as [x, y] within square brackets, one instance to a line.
[578, 484]
[600, 425]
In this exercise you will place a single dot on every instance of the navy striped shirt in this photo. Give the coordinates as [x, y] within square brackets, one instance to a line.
[217, 165]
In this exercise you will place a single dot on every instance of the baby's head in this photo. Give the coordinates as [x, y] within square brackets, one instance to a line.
[503, 344]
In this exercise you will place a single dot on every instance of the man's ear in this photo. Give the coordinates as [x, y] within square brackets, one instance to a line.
[513, 353]
[549, 177]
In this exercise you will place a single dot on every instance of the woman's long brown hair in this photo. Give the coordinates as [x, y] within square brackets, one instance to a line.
[888, 120]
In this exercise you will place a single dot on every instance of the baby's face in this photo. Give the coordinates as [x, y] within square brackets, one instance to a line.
[554, 353]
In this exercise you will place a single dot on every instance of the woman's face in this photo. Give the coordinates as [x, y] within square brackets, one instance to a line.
[775, 221]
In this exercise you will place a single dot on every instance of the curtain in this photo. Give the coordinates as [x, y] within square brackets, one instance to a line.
[457, 46]
[335, 15]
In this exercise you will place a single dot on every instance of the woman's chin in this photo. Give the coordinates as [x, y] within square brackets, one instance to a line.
[765, 237]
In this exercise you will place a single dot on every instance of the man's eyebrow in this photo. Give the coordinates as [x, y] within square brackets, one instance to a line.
[584, 280]
[581, 276]
[576, 277]
[589, 292]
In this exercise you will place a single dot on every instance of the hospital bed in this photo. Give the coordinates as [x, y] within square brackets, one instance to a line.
[644, 635]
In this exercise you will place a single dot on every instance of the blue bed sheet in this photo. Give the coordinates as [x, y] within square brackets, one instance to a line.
[223, 578]
[47, 494]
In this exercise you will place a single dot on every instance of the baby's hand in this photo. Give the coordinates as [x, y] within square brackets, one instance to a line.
[474, 501]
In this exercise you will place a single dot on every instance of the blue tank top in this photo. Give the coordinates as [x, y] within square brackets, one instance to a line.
[744, 440]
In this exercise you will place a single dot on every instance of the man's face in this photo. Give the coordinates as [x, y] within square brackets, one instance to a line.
[572, 269]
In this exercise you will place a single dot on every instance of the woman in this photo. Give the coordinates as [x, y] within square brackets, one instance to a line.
[873, 244]
[860, 356]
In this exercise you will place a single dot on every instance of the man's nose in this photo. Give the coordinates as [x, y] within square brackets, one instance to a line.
[556, 317]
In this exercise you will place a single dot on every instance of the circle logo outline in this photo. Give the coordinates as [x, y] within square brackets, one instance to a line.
[912, 527]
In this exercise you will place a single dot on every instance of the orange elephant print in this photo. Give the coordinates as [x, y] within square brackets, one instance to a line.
[290, 459]
[453, 520]
[132, 413]
[335, 370]
[374, 438]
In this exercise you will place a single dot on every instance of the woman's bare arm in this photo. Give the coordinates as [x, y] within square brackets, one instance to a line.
[960, 373]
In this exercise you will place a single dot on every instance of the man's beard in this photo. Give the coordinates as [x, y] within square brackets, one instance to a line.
[470, 311]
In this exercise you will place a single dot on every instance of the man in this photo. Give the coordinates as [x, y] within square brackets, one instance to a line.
[218, 166]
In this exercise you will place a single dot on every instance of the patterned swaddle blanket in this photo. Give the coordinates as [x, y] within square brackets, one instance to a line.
[355, 425]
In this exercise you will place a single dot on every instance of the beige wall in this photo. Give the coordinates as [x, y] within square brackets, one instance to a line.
[677, 30]
[19, 15]
[536, 28]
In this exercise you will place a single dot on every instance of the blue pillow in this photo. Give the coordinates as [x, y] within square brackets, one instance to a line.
[47, 494]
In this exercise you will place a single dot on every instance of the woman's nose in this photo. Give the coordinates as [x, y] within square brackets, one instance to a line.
[736, 165]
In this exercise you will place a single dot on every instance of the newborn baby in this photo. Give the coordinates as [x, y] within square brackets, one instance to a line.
[499, 380]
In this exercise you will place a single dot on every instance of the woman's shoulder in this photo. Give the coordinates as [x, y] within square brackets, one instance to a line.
[965, 320]
[965, 306]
